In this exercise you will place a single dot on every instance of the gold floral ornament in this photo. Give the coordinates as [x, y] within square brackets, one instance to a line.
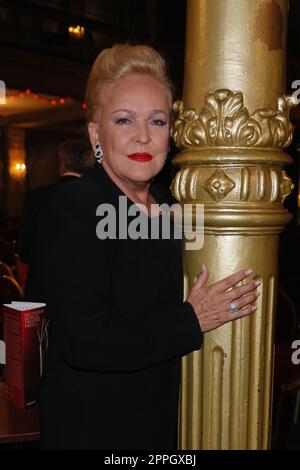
[218, 185]
[224, 121]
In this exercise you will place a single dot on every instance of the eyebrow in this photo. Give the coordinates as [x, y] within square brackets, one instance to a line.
[158, 111]
[130, 111]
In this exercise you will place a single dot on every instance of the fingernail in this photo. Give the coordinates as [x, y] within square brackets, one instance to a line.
[257, 283]
[203, 268]
[254, 308]
[249, 271]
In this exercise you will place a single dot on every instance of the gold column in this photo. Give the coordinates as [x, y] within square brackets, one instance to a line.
[231, 128]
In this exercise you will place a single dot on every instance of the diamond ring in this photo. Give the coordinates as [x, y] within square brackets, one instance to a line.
[233, 308]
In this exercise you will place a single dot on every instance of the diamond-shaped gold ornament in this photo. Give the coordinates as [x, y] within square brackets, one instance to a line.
[218, 185]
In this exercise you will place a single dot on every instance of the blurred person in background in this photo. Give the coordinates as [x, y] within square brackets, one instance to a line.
[74, 159]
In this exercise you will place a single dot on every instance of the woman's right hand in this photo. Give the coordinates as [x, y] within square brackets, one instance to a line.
[212, 303]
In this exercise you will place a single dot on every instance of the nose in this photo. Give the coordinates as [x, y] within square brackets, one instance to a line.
[142, 134]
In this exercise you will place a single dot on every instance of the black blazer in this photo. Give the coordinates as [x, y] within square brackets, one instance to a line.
[118, 325]
[32, 206]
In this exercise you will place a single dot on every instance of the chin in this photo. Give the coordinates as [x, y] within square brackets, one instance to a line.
[141, 176]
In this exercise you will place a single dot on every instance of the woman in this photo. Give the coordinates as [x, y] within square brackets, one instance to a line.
[118, 323]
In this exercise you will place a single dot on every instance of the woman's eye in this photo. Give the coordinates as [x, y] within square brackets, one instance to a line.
[123, 121]
[159, 122]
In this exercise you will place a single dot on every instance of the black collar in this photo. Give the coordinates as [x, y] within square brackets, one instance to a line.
[112, 192]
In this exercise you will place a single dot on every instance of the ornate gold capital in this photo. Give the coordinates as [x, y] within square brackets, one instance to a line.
[232, 162]
[224, 121]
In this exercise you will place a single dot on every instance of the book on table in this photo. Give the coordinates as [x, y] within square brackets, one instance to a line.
[26, 339]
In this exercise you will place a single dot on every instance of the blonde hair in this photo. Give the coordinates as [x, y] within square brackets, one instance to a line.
[119, 61]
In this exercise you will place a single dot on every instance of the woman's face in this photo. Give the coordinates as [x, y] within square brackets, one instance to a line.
[133, 119]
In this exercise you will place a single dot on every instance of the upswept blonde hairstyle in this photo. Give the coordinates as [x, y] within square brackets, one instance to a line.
[119, 61]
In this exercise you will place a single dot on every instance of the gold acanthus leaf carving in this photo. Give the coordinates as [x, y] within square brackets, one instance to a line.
[224, 121]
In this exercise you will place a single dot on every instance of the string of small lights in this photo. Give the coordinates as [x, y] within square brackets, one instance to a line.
[11, 96]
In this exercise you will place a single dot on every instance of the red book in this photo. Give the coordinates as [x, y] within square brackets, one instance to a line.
[26, 339]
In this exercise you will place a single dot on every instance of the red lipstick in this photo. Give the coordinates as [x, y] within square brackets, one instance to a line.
[140, 157]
